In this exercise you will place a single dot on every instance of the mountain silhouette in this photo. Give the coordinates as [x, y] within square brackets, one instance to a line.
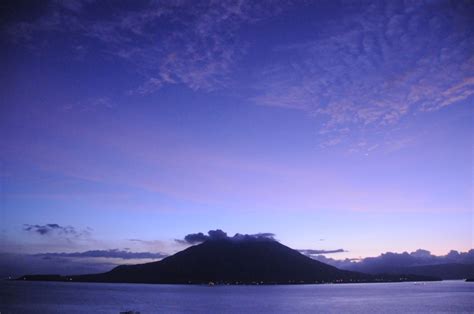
[228, 261]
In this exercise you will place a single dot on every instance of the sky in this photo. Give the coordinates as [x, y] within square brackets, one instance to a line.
[335, 125]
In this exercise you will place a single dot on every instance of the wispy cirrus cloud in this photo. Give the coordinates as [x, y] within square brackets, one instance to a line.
[90, 105]
[147, 242]
[383, 62]
[367, 70]
[173, 42]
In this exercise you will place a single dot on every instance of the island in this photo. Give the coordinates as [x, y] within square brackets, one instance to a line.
[234, 261]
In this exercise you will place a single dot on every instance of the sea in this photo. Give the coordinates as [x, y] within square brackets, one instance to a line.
[407, 297]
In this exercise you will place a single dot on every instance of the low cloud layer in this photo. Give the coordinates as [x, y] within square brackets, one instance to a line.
[311, 252]
[388, 262]
[15, 265]
[94, 261]
[195, 238]
[113, 253]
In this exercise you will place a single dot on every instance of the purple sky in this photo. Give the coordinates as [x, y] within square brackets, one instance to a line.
[333, 124]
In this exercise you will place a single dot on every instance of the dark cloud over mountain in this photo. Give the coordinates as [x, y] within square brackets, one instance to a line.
[195, 238]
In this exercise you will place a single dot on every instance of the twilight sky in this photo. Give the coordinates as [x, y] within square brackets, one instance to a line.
[333, 124]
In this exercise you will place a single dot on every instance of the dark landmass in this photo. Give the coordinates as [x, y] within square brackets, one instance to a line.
[470, 279]
[453, 265]
[443, 271]
[228, 261]
[43, 278]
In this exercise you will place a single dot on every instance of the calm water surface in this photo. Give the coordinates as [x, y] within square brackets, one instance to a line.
[51, 297]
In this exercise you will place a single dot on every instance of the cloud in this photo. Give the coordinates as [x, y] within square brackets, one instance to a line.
[217, 234]
[388, 262]
[147, 242]
[311, 252]
[90, 105]
[195, 238]
[264, 236]
[380, 63]
[173, 42]
[57, 236]
[92, 261]
[49, 229]
[113, 253]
